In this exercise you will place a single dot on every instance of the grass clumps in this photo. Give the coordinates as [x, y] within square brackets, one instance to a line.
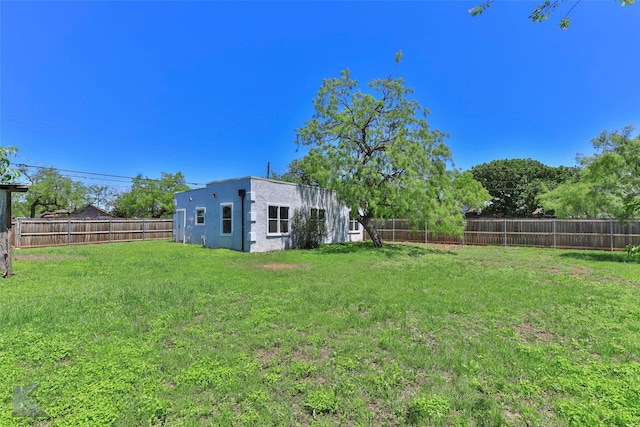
[157, 333]
[431, 409]
[321, 401]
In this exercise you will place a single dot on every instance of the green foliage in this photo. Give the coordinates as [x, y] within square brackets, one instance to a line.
[608, 184]
[375, 149]
[307, 231]
[543, 10]
[576, 199]
[296, 173]
[321, 401]
[50, 191]
[632, 251]
[470, 192]
[515, 184]
[7, 173]
[150, 198]
[427, 408]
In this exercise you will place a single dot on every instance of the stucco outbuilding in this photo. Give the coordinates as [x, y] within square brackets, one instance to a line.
[253, 214]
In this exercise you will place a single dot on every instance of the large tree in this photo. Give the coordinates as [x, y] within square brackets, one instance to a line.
[514, 184]
[375, 149]
[543, 10]
[609, 182]
[150, 198]
[50, 191]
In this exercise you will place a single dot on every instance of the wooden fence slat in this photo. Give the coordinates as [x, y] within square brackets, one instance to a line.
[29, 232]
[612, 235]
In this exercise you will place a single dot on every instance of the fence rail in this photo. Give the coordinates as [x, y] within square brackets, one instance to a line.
[605, 234]
[31, 233]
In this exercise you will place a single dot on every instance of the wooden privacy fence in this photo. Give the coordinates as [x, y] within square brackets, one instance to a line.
[31, 233]
[601, 234]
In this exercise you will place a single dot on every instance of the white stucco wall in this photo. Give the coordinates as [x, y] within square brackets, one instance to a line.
[260, 194]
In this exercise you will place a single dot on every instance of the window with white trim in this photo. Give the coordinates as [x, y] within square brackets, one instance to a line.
[318, 218]
[278, 219]
[354, 226]
[200, 216]
[226, 218]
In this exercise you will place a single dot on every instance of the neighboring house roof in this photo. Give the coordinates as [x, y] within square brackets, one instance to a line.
[88, 211]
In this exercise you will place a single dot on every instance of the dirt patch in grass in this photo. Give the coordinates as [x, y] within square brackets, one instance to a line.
[580, 272]
[512, 417]
[282, 266]
[533, 333]
[308, 353]
[442, 246]
[265, 356]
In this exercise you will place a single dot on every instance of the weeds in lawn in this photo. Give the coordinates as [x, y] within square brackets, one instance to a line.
[156, 333]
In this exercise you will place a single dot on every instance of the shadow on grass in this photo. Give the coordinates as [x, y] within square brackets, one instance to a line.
[600, 256]
[389, 249]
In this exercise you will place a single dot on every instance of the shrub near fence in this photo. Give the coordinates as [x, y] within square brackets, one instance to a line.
[605, 234]
[30, 233]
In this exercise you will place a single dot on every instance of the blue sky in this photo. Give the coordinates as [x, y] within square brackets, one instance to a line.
[217, 89]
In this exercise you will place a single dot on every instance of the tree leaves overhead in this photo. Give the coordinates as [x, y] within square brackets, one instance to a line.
[7, 173]
[609, 183]
[543, 10]
[375, 149]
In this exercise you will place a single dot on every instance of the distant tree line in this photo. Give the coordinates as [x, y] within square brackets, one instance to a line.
[50, 191]
[606, 184]
[515, 185]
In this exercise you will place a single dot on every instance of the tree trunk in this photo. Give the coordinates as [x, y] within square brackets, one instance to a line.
[373, 233]
[5, 253]
[5, 236]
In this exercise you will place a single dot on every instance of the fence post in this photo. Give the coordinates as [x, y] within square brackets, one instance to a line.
[110, 230]
[393, 230]
[611, 232]
[426, 231]
[143, 230]
[464, 232]
[505, 231]
[19, 237]
[69, 231]
[554, 233]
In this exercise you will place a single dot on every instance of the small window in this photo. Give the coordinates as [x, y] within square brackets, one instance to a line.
[278, 220]
[226, 219]
[354, 226]
[318, 217]
[200, 216]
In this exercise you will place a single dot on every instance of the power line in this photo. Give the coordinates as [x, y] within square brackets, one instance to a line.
[106, 175]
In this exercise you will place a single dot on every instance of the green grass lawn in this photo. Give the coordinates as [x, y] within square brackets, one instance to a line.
[158, 333]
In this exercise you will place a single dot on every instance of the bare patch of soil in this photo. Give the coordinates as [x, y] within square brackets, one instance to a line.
[580, 272]
[511, 416]
[265, 356]
[281, 266]
[307, 353]
[533, 333]
[443, 246]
